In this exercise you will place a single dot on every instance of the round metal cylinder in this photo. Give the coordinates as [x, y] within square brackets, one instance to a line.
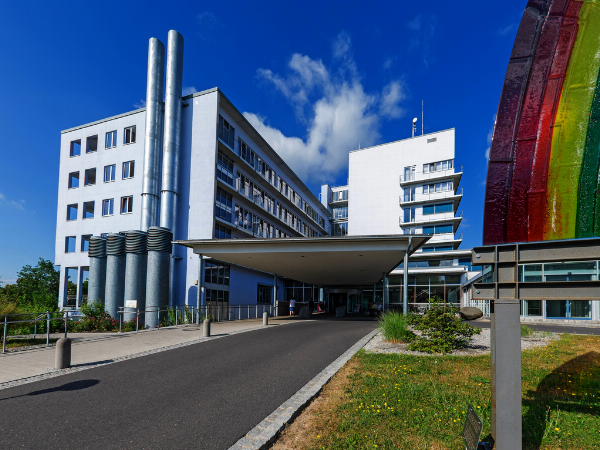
[97, 275]
[157, 280]
[115, 274]
[62, 358]
[206, 328]
[136, 263]
[265, 318]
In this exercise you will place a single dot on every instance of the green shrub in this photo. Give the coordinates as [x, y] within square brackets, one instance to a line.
[394, 327]
[441, 329]
[94, 309]
[526, 331]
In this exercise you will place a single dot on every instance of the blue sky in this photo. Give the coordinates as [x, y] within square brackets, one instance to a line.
[316, 78]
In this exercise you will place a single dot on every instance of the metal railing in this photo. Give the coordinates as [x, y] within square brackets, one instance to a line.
[226, 136]
[40, 317]
[424, 176]
[483, 305]
[434, 196]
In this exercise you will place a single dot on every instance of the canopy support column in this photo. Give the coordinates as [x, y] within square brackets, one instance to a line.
[405, 279]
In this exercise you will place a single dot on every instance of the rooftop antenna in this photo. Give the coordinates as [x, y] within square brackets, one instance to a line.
[414, 127]
[422, 123]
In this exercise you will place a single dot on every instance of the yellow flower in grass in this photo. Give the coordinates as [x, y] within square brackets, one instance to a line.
[557, 429]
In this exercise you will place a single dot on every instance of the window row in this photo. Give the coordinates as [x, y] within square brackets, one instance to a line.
[222, 232]
[567, 271]
[110, 141]
[216, 273]
[110, 171]
[410, 213]
[340, 213]
[438, 248]
[438, 187]
[431, 229]
[286, 216]
[71, 243]
[107, 208]
[440, 165]
[223, 205]
[338, 196]
[339, 229]
[251, 222]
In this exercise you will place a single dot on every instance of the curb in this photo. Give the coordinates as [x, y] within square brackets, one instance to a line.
[52, 373]
[263, 435]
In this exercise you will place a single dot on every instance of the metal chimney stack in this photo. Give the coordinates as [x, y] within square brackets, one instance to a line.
[154, 132]
[158, 275]
[170, 159]
[97, 280]
[115, 274]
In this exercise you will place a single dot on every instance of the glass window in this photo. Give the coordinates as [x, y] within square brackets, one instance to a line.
[108, 207]
[430, 229]
[409, 215]
[85, 242]
[425, 168]
[128, 167]
[88, 210]
[111, 139]
[426, 189]
[129, 135]
[70, 244]
[340, 213]
[71, 286]
[443, 208]
[439, 229]
[532, 307]
[73, 180]
[264, 294]
[75, 149]
[226, 132]
[224, 168]
[428, 209]
[109, 173]
[452, 279]
[72, 212]
[223, 205]
[126, 205]
[453, 294]
[409, 173]
[90, 177]
[222, 232]
[91, 144]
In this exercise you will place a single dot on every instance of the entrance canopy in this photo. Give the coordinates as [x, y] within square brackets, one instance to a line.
[323, 261]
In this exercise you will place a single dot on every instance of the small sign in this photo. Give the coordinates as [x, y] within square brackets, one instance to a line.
[130, 303]
[472, 430]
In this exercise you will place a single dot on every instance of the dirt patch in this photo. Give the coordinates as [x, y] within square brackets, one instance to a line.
[306, 430]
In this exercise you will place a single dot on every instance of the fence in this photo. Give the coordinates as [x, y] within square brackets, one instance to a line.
[483, 305]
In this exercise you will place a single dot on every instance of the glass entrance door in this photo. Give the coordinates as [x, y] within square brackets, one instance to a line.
[567, 309]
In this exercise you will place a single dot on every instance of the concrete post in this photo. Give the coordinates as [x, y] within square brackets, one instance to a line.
[62, 358]
[97, 276]
[115, 274]
[506, 377]
[265, 318]
[206, 328]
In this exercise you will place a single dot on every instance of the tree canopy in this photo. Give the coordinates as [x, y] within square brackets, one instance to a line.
[36, 288]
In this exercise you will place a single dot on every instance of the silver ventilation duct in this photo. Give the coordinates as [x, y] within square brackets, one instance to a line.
[115, 274]
[97, 275]
[170, 159]
[154, 131]
[157, 281]
[136, 262]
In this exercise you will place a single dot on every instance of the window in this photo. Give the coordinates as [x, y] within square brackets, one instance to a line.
[410, 230]
[222, 232]
[223, 205]
[340, 213]
[111, 139]
[126, 204]
[438, 187]
[128, 167]
[129, 135]
[409, 173]
[409, 215]
[73, 180]
[75, 148]
[226, 132]
[109, 173]
[85, 242]
[88, 210]
[264, 294]
[72, 212]
[437, 209]
[409, 194]
[70, 242]
[437, 229]
[90, 177]
[216, 274]
[440, 165]
[566, 271]
[339, 196]
[340, 229]
[91, 144]
[247, 153]
[224, 168]
[108, 207]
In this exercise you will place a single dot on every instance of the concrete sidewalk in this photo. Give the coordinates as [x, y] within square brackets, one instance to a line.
[103, 348]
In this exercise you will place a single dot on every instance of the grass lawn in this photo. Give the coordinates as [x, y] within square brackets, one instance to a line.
[396, 401]
[25, 342]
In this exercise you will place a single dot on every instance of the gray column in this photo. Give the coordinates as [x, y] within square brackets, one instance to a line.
[115, 274]
[274, 295]
[386, 293]
[506, 377]
[405, 284]
[136, 262]
[157, 280]
[97, 280]
[200, 286]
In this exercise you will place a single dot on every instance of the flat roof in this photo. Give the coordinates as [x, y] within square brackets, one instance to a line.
[401, 140]
[322, 261]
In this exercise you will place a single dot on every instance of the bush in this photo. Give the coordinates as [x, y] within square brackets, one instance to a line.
[394, 327]
[526, 331]
[441, 329]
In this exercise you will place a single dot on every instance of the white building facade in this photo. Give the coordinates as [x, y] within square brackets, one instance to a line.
[231, 184]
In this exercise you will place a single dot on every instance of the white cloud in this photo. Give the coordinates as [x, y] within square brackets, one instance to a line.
[423, 29]
[389, 62]
[17, 204]
[189, 90]
[140, 104]
[489, 140]
[507, 29]
[333, 104]
[209, 25]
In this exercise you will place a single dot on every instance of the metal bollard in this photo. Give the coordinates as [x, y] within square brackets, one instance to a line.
[4, 341]
[120, 321]
[66, 323]
[256, 312]
[265, 318]
[63, 354]
[206, 328]
[137, 320]
[47, 329]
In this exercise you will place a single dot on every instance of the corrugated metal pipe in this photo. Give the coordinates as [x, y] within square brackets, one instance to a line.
[136, 263]
[115, 274]
[153, 133]
[157, 281]
[97, 275]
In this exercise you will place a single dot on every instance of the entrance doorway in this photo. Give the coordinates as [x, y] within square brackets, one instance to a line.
[351, 299]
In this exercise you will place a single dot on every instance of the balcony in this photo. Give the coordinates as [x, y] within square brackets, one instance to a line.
[417, 198]
[434, 219]
[420, 177]
[226, 136]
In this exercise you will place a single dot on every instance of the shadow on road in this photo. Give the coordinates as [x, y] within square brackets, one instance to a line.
[73, 386]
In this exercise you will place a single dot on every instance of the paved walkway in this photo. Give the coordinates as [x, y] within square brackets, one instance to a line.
[592, 329]
[110, 346]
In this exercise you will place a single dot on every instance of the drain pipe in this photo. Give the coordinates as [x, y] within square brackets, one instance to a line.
[136, 262]
[97, 276]
[157, 281]
[153, 133]
[115, 274]
[170, 158]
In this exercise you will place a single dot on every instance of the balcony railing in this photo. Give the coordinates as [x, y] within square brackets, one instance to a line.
[226, 136]
[420, 197]
[420, 176]
[432, 218]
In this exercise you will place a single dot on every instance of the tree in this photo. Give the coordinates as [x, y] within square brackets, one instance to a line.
[37, 287]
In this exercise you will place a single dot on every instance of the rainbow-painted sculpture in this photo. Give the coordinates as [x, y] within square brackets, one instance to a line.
[543, 180]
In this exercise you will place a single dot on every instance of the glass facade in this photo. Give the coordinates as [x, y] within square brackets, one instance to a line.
[422, 288]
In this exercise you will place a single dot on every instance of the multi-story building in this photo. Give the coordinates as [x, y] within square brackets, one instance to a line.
[231, 184]
[408, 186]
